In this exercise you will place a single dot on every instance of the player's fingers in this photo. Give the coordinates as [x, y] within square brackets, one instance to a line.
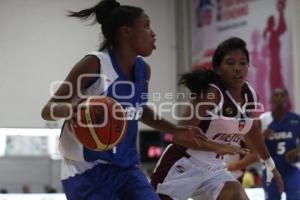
[196, 129]
[239, 150]
[279, 181]
[246, 150]
[197, 141]
[200, 137]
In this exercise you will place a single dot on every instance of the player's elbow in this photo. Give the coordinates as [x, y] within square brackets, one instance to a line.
[45, 114]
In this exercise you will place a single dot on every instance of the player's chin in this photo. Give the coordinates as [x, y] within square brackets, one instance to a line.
[147, 51]
[238, 82]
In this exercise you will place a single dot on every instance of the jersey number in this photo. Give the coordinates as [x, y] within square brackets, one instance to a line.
[281, 148]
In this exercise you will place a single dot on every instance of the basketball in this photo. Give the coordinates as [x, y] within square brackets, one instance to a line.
[100, 123]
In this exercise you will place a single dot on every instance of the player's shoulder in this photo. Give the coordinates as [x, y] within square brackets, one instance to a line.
[100, 56]
[213, 94]
[250, 92]
[294, 115]
[265, 115]
[294, 118]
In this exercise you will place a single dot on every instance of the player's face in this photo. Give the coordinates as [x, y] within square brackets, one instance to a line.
[142, 39]
[234, 69]
[279, 99]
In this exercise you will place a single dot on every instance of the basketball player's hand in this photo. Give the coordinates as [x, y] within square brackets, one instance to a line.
[232, 167]
[292, 155]
[197, 133]
[75, 105]
[278, 180]
[223, 149]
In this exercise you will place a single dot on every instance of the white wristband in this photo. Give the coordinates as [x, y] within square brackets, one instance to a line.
[270, 165]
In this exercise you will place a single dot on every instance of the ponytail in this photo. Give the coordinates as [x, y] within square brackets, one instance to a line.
[198, 81]
[111, 15]
[100, 11]
[83, 14]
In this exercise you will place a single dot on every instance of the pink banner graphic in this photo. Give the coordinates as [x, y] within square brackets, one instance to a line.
[264, 25]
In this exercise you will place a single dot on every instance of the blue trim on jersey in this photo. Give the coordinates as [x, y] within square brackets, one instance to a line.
[126, 151]
[117, 68]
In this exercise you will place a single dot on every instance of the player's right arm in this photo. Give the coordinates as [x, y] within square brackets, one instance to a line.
[247, 160]
[62, 104]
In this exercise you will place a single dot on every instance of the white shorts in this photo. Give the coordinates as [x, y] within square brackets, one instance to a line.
[190, 178]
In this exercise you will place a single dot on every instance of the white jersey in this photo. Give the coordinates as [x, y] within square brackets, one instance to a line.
[69, 146]
[202, 174]
[227, 123]
[111, 81]
[265, 119]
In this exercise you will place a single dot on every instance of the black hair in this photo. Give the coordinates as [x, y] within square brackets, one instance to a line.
[284, 90]
[111, 15]
[199, 80]
[231, 44]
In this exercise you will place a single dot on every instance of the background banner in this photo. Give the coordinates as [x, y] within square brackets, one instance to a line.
[266, 27]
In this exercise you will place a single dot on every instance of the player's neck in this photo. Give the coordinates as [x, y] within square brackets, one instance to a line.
[126, 59]
[279, 114]
[236, 94]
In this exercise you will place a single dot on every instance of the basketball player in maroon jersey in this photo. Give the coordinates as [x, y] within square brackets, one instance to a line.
[224, 111]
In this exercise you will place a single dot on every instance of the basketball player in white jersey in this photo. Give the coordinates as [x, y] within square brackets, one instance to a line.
[222, 110]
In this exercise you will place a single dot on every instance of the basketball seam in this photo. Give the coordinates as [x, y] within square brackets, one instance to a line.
[124, 126]
[110, 126]
[90, 127]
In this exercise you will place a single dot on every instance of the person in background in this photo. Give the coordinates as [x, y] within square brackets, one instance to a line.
[281, 130]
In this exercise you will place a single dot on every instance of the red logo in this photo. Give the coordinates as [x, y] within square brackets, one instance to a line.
[242, 124]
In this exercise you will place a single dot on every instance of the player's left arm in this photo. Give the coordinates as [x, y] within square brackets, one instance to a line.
[255, 139]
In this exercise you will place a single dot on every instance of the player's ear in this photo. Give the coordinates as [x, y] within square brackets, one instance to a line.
[217, 71]
[126, 31]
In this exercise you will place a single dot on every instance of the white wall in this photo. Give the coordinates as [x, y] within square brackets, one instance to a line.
[39, 45]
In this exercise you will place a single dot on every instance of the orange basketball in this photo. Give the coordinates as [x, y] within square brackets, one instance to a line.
[101, 123]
